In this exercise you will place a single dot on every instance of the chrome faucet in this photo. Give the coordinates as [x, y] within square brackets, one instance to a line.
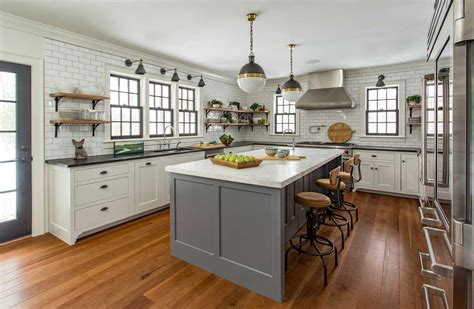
[164, 135]
[294, 133]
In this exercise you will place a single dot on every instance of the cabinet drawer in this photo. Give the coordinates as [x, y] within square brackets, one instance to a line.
[376, 155]
[100, 172]
[100, 190]
[95, 216]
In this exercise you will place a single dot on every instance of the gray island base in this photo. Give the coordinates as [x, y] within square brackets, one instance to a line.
[235, 223]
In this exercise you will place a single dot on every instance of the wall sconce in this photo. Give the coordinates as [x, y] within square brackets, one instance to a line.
[140, 69]
[278, 91]
[174, 77]
[380, 82]
[201, 82]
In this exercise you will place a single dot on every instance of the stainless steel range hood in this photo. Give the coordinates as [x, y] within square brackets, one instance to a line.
[325, 91]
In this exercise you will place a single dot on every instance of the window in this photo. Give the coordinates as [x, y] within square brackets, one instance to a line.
[125, 109]
[430, 104]
[161, 112]
[285, 115]
[382, 111]
[187, 112]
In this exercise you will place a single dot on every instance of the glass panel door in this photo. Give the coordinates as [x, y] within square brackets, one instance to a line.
[15, 154]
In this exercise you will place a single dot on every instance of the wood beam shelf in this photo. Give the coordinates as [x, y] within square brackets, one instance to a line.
[410, 107]
[81, 96]
[77, 122]
[238, 111]
[238, 125]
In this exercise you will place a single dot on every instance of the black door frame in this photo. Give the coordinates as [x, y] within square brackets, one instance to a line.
[22, 226]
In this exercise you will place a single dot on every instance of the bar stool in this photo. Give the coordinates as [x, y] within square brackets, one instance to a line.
[315, 203]
[347, 175]
[334, 187]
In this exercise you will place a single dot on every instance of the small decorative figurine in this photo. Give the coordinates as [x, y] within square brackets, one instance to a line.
[80, 153]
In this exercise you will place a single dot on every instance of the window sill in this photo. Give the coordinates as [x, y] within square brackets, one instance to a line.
[399, 137]
[108, 140]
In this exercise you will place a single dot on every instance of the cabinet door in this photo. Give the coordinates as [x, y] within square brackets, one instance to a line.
[146, 185]
[367, 171]
[384, 176]
[409, 173]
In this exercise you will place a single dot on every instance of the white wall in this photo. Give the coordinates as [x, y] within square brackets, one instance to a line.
[81, 66]
[355, 81]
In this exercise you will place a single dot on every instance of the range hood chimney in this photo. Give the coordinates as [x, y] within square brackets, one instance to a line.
[325, 91]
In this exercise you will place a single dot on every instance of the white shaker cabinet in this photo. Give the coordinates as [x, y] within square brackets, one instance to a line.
[410, 182]
[147, 185]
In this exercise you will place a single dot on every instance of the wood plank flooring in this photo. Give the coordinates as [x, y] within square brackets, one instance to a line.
[130, 266]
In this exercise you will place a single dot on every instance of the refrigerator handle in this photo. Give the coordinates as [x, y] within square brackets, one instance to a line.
[463, 245]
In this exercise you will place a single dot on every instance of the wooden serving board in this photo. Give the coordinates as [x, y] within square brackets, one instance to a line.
[289, 158]
[208, 146]
[236, 165]
[339, 132]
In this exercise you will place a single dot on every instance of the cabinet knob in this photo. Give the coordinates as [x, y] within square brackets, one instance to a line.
[371, 168]
[103, 172]
[376, 168]
[104, 209]
[403, 161]
[104, 186]
[148, 163]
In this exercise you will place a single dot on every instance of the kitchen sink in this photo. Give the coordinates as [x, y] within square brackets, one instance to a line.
[173, 150]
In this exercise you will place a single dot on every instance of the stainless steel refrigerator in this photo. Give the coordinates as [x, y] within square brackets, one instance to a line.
[448, 153]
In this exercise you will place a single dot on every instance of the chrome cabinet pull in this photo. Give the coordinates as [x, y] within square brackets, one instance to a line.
[437, 291]
[438, 268]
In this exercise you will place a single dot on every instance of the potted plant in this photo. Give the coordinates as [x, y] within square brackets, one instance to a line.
[226, 139]
[215, 103]
[255, 106]
[228, 116]
[413, 99]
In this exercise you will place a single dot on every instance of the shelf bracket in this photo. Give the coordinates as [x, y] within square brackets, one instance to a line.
[94, 126]
[56, 101]
[94, 103]
[225, 127]
[56, 129]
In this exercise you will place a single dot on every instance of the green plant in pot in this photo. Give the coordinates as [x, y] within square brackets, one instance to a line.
[413, 99]
[215, 103]
[226, 139]
[255, 106]
[228, 116]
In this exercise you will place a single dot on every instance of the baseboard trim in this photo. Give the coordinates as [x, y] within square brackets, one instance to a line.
[411, 196]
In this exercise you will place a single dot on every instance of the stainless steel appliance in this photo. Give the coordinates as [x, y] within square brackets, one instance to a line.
[448, 153]
[346, 147]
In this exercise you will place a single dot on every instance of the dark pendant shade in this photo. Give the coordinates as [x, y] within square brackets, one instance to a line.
[292, 85]
[201, 82]
[140, 69]
[175, 77]
[251, 69]
[380, 82]
[278, 91]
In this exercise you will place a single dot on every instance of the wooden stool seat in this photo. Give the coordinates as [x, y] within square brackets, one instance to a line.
[345, 176]
[326, 184]
[313, 199]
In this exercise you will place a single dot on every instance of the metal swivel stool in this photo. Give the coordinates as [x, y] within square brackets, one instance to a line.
[315, 204]
[334, 187]
[347, 175]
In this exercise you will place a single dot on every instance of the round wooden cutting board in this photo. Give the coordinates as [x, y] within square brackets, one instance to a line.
[339, 132]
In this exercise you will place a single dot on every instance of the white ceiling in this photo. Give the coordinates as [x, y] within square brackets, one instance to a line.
[213, 34]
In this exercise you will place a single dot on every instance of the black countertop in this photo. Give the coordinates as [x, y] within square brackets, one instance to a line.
[101, 159]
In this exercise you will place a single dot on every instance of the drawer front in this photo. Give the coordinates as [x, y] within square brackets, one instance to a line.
[376, 155]
[100, 172]
[100, 190]
[96, 216]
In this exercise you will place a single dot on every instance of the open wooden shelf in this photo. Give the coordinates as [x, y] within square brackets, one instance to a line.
[238, 111]
[413, 106]
[238, 125]
[77, 122]
[82, 96]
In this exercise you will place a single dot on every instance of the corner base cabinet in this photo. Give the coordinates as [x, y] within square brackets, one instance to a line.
[388, 171]
[84, 200]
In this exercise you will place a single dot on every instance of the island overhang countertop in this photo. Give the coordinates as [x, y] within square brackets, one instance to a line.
[274, 174]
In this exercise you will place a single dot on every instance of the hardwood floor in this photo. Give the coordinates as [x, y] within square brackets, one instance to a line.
[130, 266]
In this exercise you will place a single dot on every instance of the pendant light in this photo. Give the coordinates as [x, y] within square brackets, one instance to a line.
[292, 89]
[251, 77]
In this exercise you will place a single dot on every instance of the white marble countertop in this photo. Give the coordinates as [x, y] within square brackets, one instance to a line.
[274, 174]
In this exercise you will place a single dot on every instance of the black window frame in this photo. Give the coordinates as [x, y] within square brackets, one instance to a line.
[276, 114]
[121, 107]
[368, 112]
[187, 110]
[157, 109]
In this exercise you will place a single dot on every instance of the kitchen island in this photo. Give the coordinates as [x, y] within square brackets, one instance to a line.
[235, 223]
